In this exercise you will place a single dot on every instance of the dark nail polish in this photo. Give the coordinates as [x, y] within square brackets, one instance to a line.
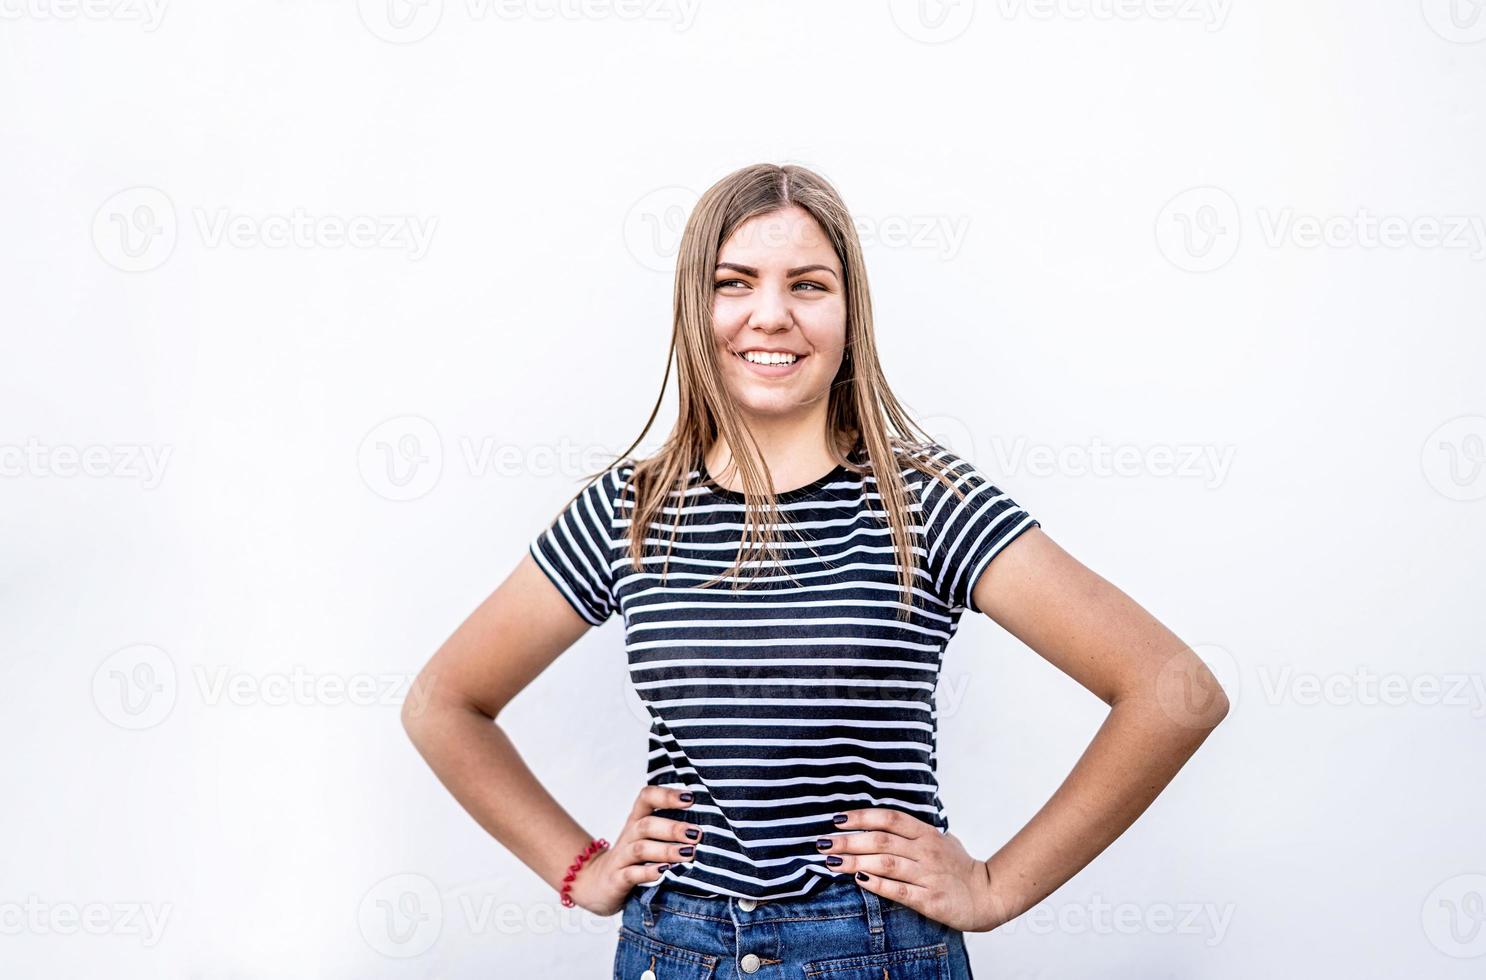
[839, 818]
[833, 860]
[687, 851]
[664, 867]
[692, 833]
[861, 876]
[685, 797]
[824, 844]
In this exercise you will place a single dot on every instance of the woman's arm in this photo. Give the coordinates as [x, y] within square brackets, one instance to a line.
[1164, 702]
[520, 629]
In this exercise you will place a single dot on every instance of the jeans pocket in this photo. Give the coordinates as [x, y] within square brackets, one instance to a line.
[638, 954]
[918, 963]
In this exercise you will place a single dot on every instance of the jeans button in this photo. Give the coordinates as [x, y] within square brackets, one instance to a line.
[750, 963]
[747, 905]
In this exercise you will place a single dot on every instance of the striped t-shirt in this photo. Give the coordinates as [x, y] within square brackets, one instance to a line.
[784, 702]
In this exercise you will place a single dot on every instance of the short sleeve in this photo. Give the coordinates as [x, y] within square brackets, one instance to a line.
[575, 548]
[963, 533]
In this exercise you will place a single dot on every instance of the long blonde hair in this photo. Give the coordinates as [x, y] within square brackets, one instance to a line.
[863, 415]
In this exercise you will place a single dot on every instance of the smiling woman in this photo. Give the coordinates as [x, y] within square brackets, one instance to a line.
[790, 567]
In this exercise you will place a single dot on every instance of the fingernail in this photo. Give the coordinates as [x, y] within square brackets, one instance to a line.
[685, 797]
[693, 833]
[664, 867]
[833, 860]
[861, 876]
[687, 852]
[823, 844]
[839, 818]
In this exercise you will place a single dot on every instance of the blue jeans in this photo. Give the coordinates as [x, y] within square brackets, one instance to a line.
[841, 932]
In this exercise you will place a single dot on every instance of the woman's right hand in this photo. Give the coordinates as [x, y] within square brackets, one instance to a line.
[645, 847]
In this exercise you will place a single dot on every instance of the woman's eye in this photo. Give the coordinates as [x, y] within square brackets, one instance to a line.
[726, 282]
[814, 285]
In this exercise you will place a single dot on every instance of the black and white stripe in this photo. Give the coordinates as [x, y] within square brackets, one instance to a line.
[786, 701]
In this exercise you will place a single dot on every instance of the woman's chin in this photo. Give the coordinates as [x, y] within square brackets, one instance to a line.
[775, 404]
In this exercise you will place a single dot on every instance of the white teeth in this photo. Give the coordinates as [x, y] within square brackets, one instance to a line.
[764, 357]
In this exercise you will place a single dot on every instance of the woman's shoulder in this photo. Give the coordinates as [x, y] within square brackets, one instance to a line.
[930, 455]
[930, 467]
[627, 476]
[605, 486]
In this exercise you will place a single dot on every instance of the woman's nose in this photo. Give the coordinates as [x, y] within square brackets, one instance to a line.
[770, 311]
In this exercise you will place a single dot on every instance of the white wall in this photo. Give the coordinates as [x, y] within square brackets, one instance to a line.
[1046, 284]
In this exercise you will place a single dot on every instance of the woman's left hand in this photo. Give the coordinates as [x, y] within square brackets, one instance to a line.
[912, 863]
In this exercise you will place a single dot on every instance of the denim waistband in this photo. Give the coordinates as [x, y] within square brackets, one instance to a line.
[838, 899]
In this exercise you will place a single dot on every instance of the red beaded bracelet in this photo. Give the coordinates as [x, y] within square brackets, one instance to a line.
[594, 846]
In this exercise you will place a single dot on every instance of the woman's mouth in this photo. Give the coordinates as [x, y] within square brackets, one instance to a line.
[771, 365]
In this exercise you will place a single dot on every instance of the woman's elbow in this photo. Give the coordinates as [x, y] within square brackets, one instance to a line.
[1218, 705]
[421, 707]
[1182, 692]
[1197, 700]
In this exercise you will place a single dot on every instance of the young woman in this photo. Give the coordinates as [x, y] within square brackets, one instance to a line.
[807, 555]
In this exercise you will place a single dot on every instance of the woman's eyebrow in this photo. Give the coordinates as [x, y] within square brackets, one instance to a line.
[750, 271]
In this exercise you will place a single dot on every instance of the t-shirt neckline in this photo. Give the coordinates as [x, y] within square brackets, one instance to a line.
[836, 473]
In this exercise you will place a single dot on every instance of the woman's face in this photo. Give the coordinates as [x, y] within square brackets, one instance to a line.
[779, 288]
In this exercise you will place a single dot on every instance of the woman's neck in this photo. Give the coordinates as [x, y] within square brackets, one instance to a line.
[792, 462]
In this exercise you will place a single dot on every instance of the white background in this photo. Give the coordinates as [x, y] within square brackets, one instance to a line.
[352, 444]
